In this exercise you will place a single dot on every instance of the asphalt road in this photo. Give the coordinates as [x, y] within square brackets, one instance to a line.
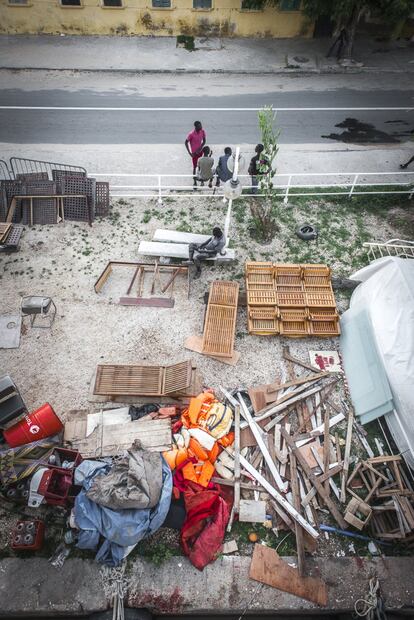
[27, 126]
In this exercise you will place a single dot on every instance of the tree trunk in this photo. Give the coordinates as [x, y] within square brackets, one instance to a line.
[350, 29]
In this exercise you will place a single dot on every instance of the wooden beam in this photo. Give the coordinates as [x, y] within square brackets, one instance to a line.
[284, 402]
[314, 480]
[257, 432]
[326, 442]
[275, 387]
[296, 504]
[278, 497]
[347, 454]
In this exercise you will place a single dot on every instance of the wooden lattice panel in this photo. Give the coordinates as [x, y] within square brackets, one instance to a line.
[293, 323]
[263, 321]
[289, 288]
[258, 267]
[177, 377]
[261, 298]
[316, 275]
[259, 279]
[220, 323]
[320, 300]
[141, 380]
[324, 322]
[311, 288]
[119, 380]
[291, 299]
[224, 293]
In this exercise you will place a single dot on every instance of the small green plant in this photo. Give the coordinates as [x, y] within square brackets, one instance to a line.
[186, 41]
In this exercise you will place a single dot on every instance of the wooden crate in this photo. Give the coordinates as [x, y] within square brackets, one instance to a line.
[258, 267]
[261, 298]
[293, 323]
[263, 321]
[320, 300]
[288, 275]
[324, 323]
[260, 279]
[220, 323]
[316, 275]
[141, 380]
[292, 299]
[289, 288]
[317, 288]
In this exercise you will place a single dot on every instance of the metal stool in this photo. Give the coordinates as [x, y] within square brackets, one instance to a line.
[38, 306]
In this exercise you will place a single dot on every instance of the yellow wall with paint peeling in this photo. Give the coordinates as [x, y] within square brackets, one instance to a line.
[139, 18]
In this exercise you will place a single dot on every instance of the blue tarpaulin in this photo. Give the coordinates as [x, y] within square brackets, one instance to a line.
[121, 529]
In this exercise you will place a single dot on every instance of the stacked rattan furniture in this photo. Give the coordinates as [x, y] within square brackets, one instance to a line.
[290, 300]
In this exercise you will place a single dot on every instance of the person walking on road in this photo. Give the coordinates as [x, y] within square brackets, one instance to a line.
[259, 165]
[194, 143]
[206, 167]
[222, 171]
[407, 163]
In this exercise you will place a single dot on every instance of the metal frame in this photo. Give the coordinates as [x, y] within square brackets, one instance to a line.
[393, 247]
[43, 315]
[22, 165]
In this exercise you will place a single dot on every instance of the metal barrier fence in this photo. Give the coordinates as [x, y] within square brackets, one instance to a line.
[286, 185]
[5, 174]
[23, 166]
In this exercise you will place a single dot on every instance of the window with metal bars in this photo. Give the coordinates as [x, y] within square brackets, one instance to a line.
[161, 4]
[70, 3]
[202, 4]
[112, 3]
[18, 2]
[290, 5]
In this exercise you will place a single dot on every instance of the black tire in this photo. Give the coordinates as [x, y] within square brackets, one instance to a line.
[307, 232]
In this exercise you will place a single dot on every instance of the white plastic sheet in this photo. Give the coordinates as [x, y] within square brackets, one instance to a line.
[387, 294]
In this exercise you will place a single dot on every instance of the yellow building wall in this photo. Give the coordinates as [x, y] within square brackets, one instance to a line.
[137, 17]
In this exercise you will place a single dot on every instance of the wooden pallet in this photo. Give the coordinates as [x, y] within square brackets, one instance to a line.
[265, 297]
[320, 300]
[324, 323]
[220, 323]
[293, 323]
[291, 300]
[263, 321]
[138, 379]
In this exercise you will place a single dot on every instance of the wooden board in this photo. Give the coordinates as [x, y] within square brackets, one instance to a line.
[148, 302]
[154, 435]
[269, 568]
[139, 379]
[195, 343]
[252, 511]
[220, 323]
[4, 231]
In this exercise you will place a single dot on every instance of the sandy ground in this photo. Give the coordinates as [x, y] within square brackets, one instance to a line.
[64, 261]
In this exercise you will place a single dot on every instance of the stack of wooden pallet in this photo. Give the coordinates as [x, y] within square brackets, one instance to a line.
[290, 300]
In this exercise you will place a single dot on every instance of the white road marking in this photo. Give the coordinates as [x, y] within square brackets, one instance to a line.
[149, 109]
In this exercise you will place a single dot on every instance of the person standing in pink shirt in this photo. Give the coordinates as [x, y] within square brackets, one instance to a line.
[194, 143]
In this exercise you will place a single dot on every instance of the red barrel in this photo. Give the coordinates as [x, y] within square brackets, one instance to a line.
[37, 425]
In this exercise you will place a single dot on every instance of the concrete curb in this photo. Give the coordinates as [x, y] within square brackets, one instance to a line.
[33, 587]
[332, 71]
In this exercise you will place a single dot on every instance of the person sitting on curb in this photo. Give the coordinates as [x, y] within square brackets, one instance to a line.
[222, 171]
[403, 166]
[206, 167]
[198, 252]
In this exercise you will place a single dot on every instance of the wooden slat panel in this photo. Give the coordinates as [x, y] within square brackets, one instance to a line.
[177, 377]
[218, 337]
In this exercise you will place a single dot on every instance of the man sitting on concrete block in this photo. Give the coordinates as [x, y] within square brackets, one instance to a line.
[198, 252]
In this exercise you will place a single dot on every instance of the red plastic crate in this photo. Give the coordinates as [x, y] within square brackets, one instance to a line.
[28, 535]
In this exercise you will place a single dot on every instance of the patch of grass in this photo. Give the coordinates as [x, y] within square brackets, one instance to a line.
[186, 41]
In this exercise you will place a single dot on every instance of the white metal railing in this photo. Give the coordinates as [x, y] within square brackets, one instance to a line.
[286, 185]
[393, 247]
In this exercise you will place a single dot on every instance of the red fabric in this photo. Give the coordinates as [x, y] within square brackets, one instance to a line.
[205, 525]
[179, 481]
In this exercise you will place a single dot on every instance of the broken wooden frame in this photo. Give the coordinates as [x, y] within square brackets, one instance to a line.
[138, 281]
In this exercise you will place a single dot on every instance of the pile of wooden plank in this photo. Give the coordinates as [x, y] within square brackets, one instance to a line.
[292, 460]
[290, 300]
